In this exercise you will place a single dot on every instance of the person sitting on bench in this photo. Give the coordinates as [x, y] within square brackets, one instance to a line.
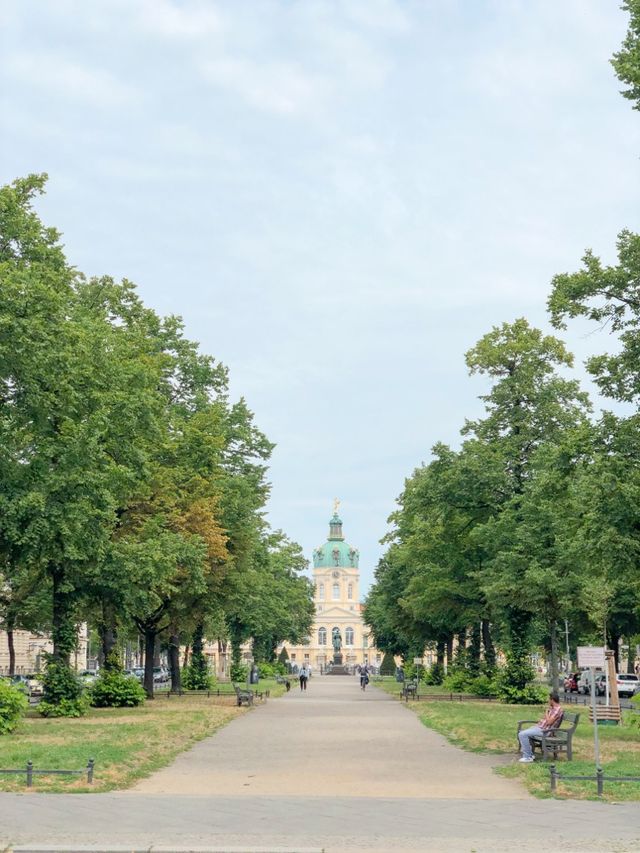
[551, 720]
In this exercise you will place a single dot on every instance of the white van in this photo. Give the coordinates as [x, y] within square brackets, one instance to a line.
[584, 682]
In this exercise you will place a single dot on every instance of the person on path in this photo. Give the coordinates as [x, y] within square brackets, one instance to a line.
[551, 720]
[304, 676]
[364, 677]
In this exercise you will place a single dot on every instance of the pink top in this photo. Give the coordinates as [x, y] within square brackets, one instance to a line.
[552, 718]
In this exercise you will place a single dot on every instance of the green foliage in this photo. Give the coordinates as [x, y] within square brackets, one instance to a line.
[509, 686]
[482, 685]
[114, 689]
[634, 718]
[239, 672]
[196, 679]
[63, 691]
[457, 680]
[270, 670]
[388, 665]
[434, 675]
[283, 657]
[627, 60]
[13, 704]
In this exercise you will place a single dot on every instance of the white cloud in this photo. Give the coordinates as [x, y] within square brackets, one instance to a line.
[272, 86]
[68, 79]
[190, 20]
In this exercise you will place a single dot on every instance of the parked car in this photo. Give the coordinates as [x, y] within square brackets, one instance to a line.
[601, 684]
[138, 671]
[571, 682]
[88, 676]
[627, 683]
[30, 683]
[160, 675]
[584, 681]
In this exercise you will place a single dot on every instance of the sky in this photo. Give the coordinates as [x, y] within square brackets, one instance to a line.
[339, 198]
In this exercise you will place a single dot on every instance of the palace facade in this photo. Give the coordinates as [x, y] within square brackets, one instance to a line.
[336, 578]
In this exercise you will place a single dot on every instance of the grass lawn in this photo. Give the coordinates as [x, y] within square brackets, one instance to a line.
[481, 727]
[126, 743]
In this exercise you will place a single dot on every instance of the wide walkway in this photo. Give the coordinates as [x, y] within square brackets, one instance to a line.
[331, 770]
[331, 740]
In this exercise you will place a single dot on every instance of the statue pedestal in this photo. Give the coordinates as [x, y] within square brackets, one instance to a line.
[337, 659]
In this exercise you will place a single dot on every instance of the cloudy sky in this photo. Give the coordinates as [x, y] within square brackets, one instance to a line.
[339, 197]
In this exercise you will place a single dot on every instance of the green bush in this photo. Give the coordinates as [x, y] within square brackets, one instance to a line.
[483, 686]
[195, 679]
[239, 672]
[63, 692]
[457, 681]
[270, 670]
[634, 719]
[388, 665]
[433, 675]
[114, 689]
[513, 694]
[13, 704]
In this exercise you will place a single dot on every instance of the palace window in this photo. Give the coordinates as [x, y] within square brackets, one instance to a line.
[336, 591]
[322, 636]
[350, 591]
[321, 590]
[365, 641]
[348, 637]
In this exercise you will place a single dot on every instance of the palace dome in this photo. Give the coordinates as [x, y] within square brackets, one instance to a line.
[335, 551]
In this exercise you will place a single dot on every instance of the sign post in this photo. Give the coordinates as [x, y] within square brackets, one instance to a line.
[417, 662]
[594, 658]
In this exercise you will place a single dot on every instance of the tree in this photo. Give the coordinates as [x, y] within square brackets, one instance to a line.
[626, 61]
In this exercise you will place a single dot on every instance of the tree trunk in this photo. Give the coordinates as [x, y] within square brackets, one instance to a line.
[449, 651]
[489, 648]
[615, 648]
[440, 649]
[174, 660]
[473, 656]
[12, 652]
[461, 649]
[631, 657]
[63, 633]
[108, 636]
[149, 647]
[553, 632]
[185, 657]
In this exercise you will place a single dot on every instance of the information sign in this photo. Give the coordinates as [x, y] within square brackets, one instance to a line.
[417, 660]
[591, 656]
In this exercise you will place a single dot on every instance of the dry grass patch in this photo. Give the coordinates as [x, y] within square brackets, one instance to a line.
[127, 745]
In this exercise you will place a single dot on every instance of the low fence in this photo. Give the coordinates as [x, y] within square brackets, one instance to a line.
[599, 778]
[30, 771]
[445, 697]
[222, 691]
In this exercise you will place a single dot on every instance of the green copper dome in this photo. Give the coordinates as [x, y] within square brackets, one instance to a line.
[335, 551]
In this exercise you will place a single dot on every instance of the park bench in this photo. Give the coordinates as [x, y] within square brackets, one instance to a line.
[243, 696]
[555, 740]
[409, 690]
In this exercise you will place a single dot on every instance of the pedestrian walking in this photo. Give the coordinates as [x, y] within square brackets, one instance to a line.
[304, 676]
[364, 677]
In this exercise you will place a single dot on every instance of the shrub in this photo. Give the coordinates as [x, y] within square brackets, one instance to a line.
[114, 689]
[482, 685]
[513, 694]
[13, 704]
[270, 670]
[388, 665]
[457, 681]
[63, 692]
[434, 675]
[239, 672]
[196, 679]
[634, 719]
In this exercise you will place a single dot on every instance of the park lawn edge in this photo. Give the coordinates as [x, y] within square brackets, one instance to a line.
[181, 714]
[535, 777]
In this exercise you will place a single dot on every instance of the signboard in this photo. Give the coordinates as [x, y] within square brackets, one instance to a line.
[417, 660]
[591, 656]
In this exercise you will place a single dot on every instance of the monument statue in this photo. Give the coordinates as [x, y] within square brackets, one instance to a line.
[336, 639]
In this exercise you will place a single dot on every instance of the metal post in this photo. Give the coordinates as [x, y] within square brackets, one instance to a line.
[29, 773]
[596, 743]
[90, 771]
[554, 779]
[600, 780]
[566, 636]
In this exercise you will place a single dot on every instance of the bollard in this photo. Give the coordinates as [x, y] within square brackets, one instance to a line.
[90, 766]
[554, 778]
[600, 780]
[29, 773]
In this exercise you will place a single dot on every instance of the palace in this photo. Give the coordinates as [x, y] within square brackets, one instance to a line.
[337, 602]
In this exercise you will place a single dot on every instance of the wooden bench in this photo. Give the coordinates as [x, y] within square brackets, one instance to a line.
[243, 696]
[555, 740]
